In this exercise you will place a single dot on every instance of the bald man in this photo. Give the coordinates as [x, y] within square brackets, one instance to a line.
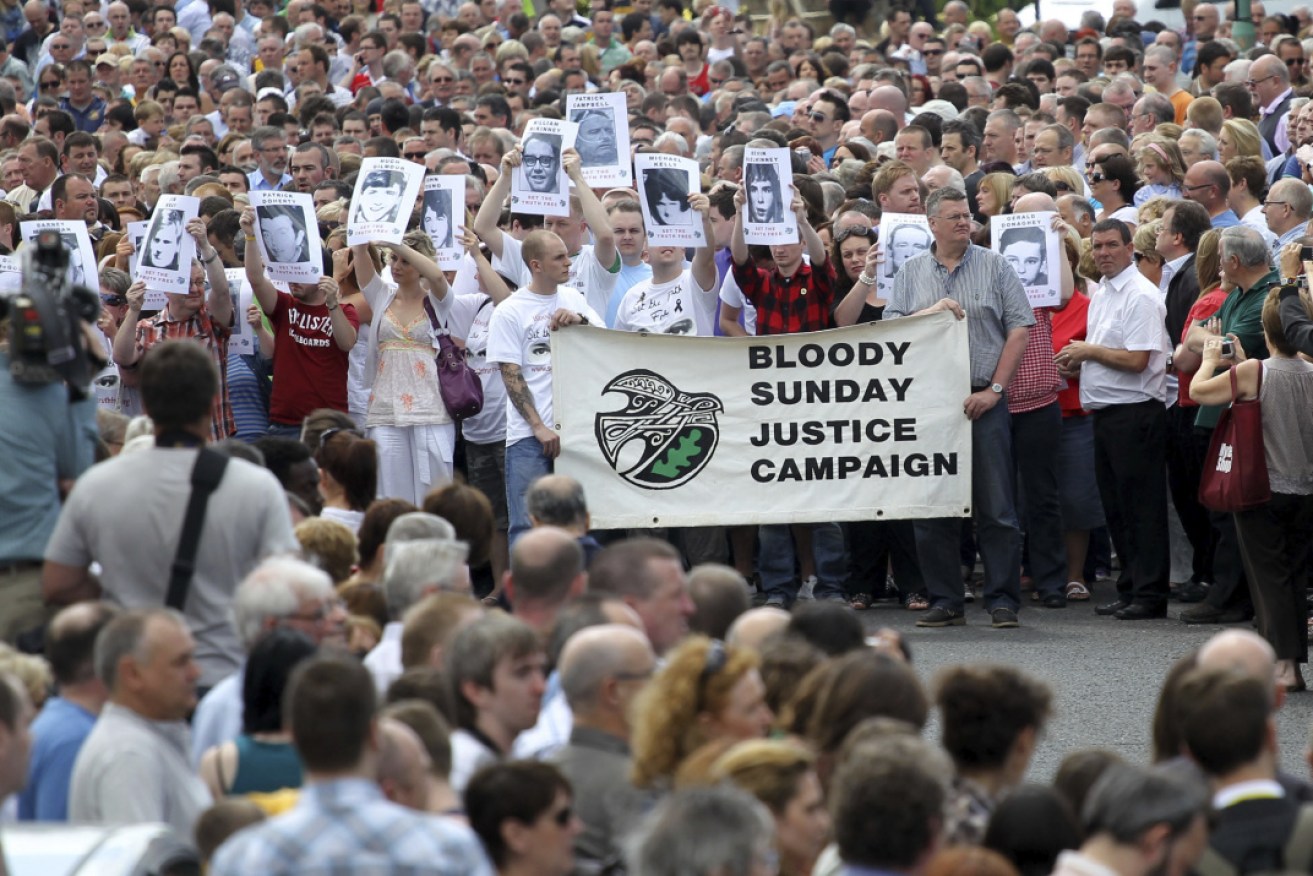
[889, 97]
[403, 765]
[756, 625]
[879, 125]
[546, 573]
[602, 670]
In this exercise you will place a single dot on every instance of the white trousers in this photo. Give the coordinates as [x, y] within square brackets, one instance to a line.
[413, 459]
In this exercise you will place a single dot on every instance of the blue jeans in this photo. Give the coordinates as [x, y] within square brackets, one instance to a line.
[278, 430]
[776, 561]
[524, 464]
[995, 512]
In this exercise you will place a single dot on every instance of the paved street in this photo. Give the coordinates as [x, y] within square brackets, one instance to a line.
[1104, 673]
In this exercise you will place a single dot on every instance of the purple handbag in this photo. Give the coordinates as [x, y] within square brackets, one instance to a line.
[462, 391]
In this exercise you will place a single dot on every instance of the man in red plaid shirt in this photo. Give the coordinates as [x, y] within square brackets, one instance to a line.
[793, 296]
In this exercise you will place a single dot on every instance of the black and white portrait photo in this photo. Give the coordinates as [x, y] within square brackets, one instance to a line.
[596, 141]
[282, 227]
[163, 245]
[904, 242]
[77, 272]
[542, 163]
[437, 217]
[1025, 250]
[765, 194]
[379, 200]
[666, 190]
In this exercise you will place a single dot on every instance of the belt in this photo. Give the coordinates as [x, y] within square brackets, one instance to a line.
[19, 566]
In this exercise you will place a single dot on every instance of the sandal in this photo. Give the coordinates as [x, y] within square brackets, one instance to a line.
[917, 602]
[860, 601]
[1077, 591]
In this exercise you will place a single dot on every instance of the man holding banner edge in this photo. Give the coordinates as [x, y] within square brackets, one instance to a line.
[978, 285]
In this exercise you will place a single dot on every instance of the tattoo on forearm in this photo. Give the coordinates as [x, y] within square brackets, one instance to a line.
[518, 392]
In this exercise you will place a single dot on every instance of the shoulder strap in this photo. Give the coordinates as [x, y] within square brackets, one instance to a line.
[432, 314]
[205, 477]
[487, 299]
[1211, 863]
[1299, 849]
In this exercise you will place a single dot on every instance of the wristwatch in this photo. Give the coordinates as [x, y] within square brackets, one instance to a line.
[998, 388]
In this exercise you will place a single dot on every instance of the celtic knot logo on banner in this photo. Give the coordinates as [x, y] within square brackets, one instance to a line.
[663, 437]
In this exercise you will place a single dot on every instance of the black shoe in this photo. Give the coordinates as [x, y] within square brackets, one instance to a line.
[1210, 614]
[942, 617]
[1111, 608]
[1191, 592]
[1003, 619]
[1142, 612]
[1054, 600]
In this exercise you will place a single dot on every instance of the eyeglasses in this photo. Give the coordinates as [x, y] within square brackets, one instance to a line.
[51, 83]
[1275, 204]
[324, 612]
[510, 81]
[1199, 186]
[933, 53]
[1061, 186]
[1254, 83]
[539, 161]
[819, 118]
[717, 657]
[327, 435]
[113, 300]
[414, 156]
[437, 79]
[1294, 62]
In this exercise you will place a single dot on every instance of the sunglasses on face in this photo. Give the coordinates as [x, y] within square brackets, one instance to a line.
[113, 300]
[1097, 178]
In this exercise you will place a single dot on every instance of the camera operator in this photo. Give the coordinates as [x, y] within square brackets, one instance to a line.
[46, 442]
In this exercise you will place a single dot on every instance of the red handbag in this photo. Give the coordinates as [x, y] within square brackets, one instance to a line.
[1235, 471]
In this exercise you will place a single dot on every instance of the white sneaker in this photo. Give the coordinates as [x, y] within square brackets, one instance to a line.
[807, 590]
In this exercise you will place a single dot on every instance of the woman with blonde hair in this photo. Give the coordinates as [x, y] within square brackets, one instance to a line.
[1147, 259]
[782, 775]
[406, 415]
[993, 195]
[1238, 137]
[1162, 169]
[708, 691]
[1066, 179]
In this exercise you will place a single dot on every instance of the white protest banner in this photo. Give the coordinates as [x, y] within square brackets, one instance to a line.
[1032, 248]
[382, 202]
[288, 235]
[540, 184]
[665, 182]
[243, 339]
[77, 243]
[167, 250]
[444, 217]
[858, 423]
[902, 235]
[768, 180]
[603, 139]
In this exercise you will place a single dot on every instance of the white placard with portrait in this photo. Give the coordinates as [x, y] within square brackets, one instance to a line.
[768, 187]
[603, 138]
[11, 275]
[77, 243]
[167, 250]
[540, 185]
[664, 184]
[902, 236]
[288, 235]
[443, 216]
[243, 339]
[155, 299]
[383, 200]
[1030, 245]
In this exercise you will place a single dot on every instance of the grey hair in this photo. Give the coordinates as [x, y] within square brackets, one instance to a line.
[953, 178]
[938, 196]
[274, 589]
[264, 134]
[414, 567]
[125, 636]
[590, 657]
[1207, 142]
[559, 502]
[1158, 105]
[168, 176]
[1115, 136]
[700, 831]
[1128, 800]
[671, 137]
[733, 155]
[476, 185]
[1246, 244]
[115, 280]
[843, 28]
[307, 34]
[395, 61]
[1161, 52]
[417, 525]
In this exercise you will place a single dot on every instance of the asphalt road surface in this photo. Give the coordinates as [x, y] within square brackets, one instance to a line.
[1104, 673]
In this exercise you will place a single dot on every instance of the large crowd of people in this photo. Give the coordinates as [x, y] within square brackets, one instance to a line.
[286, 597]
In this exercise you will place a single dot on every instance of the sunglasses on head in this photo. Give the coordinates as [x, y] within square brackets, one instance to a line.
[855, 231]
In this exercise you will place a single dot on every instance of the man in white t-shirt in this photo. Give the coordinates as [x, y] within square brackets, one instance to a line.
[678, 300]
[519, 341]
[593, 267]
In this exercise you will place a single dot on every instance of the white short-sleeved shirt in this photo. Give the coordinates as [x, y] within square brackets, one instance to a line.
[471, 318]
[1126, 313]
[731, 294]
[520, 334]
[594, 280]
[677, 307]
